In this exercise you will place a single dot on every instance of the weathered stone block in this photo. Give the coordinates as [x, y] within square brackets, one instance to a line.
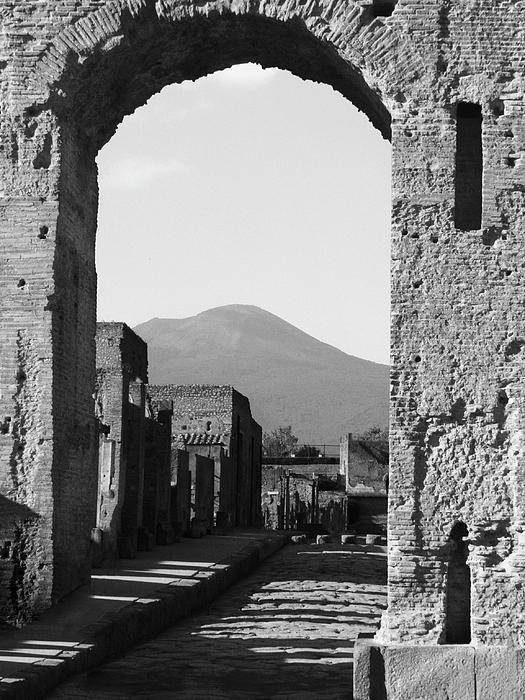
[497, 674]
[369, 671]
[423, 672]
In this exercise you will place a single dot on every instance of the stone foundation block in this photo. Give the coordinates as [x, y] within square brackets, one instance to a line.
[498, 673]
[424, 672]
[437, 672]
[369, 671]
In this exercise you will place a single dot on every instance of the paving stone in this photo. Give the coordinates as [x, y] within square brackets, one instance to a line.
[286, 631]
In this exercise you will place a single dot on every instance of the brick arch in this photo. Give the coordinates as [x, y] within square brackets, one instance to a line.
[96, 67]
[68, 90]
[110, 61]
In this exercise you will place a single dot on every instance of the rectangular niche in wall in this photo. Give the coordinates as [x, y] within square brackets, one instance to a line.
[469, 167]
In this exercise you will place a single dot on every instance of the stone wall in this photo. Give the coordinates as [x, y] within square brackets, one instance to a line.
[197, 408]
[216, 421]
[364, 466]
[446, 81]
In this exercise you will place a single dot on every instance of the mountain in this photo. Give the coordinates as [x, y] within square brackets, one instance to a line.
[289, 377]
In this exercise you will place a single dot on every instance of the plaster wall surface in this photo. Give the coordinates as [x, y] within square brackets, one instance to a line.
[364, 466]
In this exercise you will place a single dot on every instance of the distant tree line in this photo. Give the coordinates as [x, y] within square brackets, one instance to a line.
[377, 435]
[281, 442]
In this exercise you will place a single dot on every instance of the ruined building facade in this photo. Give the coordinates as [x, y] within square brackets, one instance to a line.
[446, 82]
[153, 475]
[363, 465]
[133, 502]
[215, 421]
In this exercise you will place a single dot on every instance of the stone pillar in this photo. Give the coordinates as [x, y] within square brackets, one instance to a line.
[156, 475]
[181, 475]
[121, 361]
[226, 496]
[131, 518]
[108, 510]
[204, 490]
[111, 410]
[48, 441]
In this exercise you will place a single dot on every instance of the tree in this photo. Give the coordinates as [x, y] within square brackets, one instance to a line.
[377, 435]
[278, 443]
[306, 451]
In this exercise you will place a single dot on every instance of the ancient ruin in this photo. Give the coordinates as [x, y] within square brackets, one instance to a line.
[306, 494]
[155, 478]
[134, 474]
[215, 423]
[314, 492]
[444, 80]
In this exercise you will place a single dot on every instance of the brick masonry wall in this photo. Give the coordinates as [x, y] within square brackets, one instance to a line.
[197, 408]
[364, 466]
[121, 362]
[69, 72]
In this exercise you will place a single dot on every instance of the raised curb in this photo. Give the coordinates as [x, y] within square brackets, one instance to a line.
[117, 631]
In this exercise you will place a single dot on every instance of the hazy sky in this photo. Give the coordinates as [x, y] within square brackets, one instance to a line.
[249, 187]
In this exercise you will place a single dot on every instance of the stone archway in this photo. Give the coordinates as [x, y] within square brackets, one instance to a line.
[70, 71]
[63, 103]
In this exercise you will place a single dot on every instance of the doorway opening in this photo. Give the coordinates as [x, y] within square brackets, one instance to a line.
[458, 588]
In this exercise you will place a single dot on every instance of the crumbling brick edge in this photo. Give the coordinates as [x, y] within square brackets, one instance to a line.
[118, 631]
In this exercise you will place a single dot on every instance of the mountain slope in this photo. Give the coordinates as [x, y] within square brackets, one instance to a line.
[289, 376]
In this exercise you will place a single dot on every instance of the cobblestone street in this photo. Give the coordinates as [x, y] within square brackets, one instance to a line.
[286, 631]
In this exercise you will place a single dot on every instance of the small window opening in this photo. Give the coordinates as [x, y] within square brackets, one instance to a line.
[383, 8]
[469, 167]
[497, 107]
[458, 588]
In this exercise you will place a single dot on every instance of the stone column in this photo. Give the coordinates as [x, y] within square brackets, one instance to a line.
[48, 442]
[457, 377]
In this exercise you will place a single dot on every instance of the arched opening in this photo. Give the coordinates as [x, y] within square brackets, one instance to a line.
[249, 186]
[458, 588]
[150, 53]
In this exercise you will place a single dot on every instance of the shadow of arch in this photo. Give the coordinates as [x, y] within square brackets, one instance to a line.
[14, 512]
